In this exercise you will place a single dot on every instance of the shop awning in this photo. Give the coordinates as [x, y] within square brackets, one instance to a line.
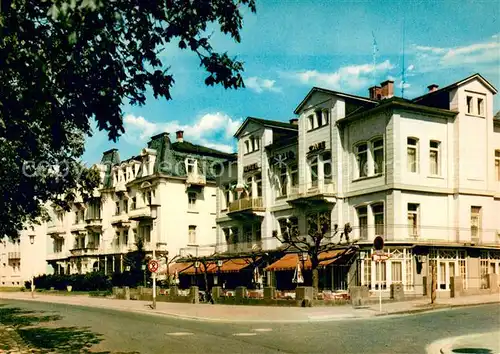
[234, 265]
[176, 267]
[289, 261]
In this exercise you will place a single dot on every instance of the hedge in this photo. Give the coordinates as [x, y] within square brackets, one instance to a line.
[94, 281]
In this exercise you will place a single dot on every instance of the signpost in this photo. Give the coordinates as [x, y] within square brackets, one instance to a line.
[153, 266]
[379, 256]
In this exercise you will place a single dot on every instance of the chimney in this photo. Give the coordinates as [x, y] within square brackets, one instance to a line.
[294, 121]
[387, 89]
[432, 87]
[375, 93]
[180, 136]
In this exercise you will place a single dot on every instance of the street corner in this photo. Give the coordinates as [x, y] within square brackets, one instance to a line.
[479, 343]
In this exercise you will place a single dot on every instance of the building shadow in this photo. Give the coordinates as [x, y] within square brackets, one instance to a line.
[39, 331]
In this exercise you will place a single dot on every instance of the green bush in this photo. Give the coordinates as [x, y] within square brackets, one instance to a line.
[94, 281]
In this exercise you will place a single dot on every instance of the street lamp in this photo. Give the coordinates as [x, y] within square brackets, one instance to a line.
[219, 265]
[154, 215]
[32, 241]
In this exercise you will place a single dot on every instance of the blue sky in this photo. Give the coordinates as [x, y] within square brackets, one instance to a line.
[290, 46]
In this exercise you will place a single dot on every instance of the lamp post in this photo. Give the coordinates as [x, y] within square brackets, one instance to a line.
[32, 241]
[219, 265]
[154, 215]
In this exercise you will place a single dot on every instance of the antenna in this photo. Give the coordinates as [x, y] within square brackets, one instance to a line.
[375, 51]
[403, 78]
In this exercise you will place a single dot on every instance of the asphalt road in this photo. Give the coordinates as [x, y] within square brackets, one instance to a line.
[73, 329]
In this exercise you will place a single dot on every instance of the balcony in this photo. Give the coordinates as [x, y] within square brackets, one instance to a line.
[246, 207]
[80, 227]
[322, 191]
[86, 251]
[121, 220]
[141, 213]
[56, 256]
[55, 229]
[14, 255]
[196, 179]
[197, 251]
[94, 223]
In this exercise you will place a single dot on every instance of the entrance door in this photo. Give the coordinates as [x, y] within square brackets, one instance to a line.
[446, 270]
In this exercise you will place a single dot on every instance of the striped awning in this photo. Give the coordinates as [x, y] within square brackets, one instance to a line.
[290, 260]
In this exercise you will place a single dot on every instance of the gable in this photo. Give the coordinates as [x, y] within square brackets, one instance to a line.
[248, 127]
[313, 99]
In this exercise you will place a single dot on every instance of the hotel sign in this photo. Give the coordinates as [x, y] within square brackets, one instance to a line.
[317, 147]
[286, 156]
[250, 168]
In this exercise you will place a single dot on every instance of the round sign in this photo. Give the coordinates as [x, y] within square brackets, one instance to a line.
[378, 243]
[153, 266]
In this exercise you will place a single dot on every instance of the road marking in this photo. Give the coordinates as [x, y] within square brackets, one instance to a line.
[244, 334]
[179, 334]
[263, 329]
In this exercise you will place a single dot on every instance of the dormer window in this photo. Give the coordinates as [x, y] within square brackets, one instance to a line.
[469, 104]
[191, 166]
[480, 107]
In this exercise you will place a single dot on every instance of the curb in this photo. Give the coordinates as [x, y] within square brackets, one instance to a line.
[311, 319]
[437, 307]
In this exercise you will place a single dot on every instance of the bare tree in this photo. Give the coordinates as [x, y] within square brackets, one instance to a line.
[319, 239]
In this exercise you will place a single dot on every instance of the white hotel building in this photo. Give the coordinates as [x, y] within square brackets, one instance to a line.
[166, 196]
[422, 173]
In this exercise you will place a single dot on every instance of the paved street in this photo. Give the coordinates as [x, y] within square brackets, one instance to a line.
[64, 328]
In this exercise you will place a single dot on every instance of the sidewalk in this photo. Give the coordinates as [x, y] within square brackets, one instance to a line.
[246, 314]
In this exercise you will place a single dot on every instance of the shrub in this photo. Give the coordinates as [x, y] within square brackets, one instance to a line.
[80, 282]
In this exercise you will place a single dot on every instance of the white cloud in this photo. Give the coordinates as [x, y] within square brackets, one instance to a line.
[260, 85]
[214, 130]
[351, 77]
[486, 52]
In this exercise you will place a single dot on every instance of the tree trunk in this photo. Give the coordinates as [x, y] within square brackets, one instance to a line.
[315, 276]
[433, 283]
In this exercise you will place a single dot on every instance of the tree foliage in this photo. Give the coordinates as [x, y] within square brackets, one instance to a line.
[66, 63]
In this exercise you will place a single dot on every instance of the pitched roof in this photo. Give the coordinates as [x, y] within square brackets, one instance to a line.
[458, 83]
[395, 102]
[188, 147]
[331, 92]
[267, 123]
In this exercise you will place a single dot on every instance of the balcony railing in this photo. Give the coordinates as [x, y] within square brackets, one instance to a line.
[14, 255]
[140, 213]
[196, 179]
[256, 204]
[94, 223]
[84, 251]
[121, 219]
[57, 255]
[55, 229]
[197, 251]
[317, 188]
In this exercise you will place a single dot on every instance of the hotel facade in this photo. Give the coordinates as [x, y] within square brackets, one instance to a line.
[424, 174]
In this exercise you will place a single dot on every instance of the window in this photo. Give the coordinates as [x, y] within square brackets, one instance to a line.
[362, 157]
[367, 277]
[125, 206]
[247, 147]
[192, 235]
[283, 179]
[191, 200]
[125, 238]
[249, 187]
[475, 223]
[363, 223]
[294, 226]
[118, 236]
[117, 208]
[227, 195]
[380, 268]
[258, 183]
[310, 122]
[294, 175]
[497, 164]
[326, 117]
[378, 156]
[247, 234]
[319, 118]
[397, 271]
[327, 166]
[133, 205]
[145, 231]
[191, 165]
[254, 144]
[378, 214]
[434, 158]
[413, 210]
[469, 104]
[313, 166]
[411, 153]
[480, 107]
